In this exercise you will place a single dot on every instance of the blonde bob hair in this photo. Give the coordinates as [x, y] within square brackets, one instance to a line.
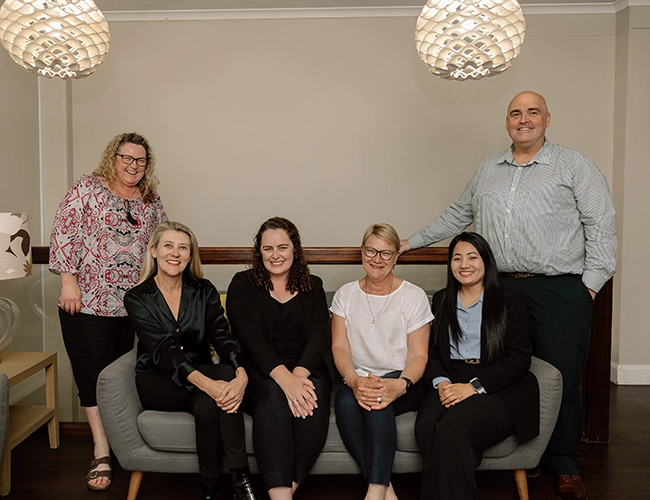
[384, 231]
[149, 264]
[106, 167]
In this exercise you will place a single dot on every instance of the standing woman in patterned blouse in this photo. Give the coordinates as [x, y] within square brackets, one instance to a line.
[100, 233]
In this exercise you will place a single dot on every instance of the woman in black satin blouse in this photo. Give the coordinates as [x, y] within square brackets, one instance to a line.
[177, 315]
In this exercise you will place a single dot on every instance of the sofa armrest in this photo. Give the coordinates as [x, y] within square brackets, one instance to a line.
[119, 407]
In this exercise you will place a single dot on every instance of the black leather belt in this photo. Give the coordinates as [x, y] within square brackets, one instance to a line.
[471, 361]
[522, 275]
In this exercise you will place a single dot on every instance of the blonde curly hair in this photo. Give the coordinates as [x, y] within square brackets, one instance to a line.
[106, 168]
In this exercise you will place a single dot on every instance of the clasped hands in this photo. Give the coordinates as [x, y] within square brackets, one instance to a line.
[375, 393]
[451, 394]
[300, 393]
[229, 395]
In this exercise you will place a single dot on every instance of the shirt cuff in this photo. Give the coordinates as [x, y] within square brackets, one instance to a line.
[437, 380]
[416, 241]
[594, 281]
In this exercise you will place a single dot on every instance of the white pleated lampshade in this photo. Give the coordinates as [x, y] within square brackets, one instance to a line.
[64, 38]
[469, 39]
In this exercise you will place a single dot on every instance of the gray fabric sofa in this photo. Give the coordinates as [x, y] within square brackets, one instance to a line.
[152, 441]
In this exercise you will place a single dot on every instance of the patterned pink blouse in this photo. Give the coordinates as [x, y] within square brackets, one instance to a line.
[93, 239]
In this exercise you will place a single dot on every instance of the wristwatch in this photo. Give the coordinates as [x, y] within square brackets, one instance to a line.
[476, 385]
[409, 383]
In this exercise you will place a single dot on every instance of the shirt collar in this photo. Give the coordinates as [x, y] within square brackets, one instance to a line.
[543, 156]
[460, 305]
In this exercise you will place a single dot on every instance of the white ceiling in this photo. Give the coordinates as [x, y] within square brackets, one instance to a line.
[108, 6]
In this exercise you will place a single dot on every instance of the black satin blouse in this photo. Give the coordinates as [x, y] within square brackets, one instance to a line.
[178, 346]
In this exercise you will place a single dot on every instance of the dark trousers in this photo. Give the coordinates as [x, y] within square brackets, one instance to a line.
[452, 440]
[93, 343]
[371, 436]
[561, 309]
[286, 447]
[217, 433]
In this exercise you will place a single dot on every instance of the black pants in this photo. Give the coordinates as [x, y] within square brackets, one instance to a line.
[452, 440]
[286, 447]
[93, 343]
[561, 309]
[217, 433]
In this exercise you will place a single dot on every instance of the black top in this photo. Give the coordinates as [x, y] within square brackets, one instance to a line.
[250, 312]
[287, 331]
[179, 345]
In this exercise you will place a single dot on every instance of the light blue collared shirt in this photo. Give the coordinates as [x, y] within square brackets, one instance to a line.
[469, 345]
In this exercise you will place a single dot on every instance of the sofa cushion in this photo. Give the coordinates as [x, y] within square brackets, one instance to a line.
[168, 431]
[174, 431]
[502, 449]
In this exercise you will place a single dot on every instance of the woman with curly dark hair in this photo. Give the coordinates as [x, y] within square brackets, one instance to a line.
[278, 312]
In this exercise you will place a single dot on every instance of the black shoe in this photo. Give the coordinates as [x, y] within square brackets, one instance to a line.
[209, 492]
[241, 482]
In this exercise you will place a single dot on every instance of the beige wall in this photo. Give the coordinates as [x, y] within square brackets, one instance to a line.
[334, 123]
[20, 192]
[631, 342]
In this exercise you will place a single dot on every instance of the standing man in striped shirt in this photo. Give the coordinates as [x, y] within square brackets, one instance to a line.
[547, 213]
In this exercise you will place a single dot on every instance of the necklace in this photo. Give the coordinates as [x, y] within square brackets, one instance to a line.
[375, 316]
[118, 191]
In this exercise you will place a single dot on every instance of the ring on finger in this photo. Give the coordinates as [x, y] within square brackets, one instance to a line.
[379, 400]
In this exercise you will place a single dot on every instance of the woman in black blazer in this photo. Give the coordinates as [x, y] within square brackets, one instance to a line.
[177, 315]
[480, 389]
[278, 312]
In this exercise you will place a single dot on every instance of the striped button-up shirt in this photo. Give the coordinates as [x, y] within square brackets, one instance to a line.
[553, 215]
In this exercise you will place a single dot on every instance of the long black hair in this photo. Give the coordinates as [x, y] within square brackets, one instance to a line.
[494, 309]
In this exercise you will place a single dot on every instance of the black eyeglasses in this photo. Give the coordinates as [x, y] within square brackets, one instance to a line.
[128, 159]
[132, 220]
[384, 254]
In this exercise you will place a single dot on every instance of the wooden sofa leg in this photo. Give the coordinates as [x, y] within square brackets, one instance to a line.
[522, 484]
[136, 480]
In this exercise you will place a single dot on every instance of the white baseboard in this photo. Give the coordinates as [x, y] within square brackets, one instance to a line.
[630, 374]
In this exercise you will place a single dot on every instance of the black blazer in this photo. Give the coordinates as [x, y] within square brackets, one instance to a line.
[178, 346]
[508, 376]
[250, 313]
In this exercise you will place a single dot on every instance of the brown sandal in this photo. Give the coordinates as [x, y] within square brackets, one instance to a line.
[93, 473]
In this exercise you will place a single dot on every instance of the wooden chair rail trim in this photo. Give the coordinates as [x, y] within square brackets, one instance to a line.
[314, 255]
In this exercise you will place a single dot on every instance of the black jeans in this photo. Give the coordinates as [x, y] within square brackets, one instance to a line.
[217, 433]
[371, 436]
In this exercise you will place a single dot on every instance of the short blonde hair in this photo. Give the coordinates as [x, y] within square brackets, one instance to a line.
[149, 264]
[106, 167]
[384, 231]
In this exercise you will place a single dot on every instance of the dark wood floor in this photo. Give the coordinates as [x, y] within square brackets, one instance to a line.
[614, 471]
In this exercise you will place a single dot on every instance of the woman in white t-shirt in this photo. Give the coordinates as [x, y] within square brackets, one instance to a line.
[380, 337]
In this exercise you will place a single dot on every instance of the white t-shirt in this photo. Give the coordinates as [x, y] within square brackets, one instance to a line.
[381, 348]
